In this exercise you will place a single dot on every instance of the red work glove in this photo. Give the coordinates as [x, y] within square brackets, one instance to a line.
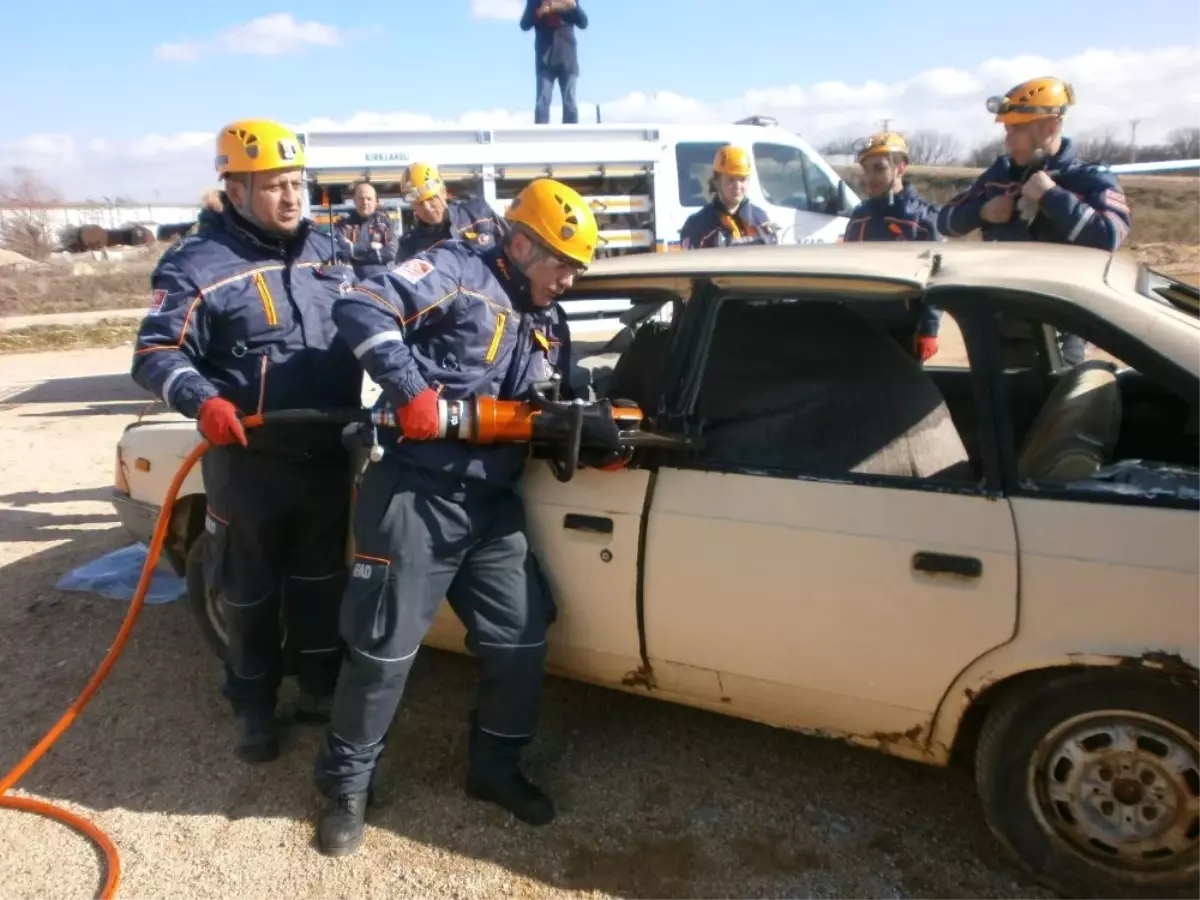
[219, 422]
[925, 347]
[419, 416]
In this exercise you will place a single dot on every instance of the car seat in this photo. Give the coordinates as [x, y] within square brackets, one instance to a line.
[1074, 434]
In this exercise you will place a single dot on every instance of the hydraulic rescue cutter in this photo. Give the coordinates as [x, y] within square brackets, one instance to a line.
[605, 431]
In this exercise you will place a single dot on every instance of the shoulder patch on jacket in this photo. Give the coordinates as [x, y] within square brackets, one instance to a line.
[413, 270]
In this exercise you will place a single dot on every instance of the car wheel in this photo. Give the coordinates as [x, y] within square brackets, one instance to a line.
[205, 604]
[1092, 780]
[203, 599]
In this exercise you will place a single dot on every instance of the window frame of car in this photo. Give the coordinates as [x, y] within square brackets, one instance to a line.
[1056, 314]
[696, 330]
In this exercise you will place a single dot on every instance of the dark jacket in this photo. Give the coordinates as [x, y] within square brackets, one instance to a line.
[1086, 207]
[368, 243]
[554, 44]
[906, 218]
[246, 315]
[471, 220]
[714, 226]
[456, 319]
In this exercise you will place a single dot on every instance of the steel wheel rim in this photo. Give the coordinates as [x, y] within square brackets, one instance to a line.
[1121, 789]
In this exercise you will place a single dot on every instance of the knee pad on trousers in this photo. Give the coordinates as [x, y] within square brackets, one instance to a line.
[510, 690]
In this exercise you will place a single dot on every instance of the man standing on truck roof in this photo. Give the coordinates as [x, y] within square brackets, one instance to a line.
[893, 211]
[366, 237]
[556, 54]
[730, 218]
[439, 219]
[1039, 190]
[240, 323]
[443, 518]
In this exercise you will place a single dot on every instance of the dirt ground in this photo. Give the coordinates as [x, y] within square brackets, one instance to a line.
[654, 800]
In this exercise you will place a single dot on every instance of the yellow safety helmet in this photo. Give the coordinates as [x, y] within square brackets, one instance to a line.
[257, 145]
[559, 216]
[1038, 98]
[421, 181]
[882, 142]
[731, 160]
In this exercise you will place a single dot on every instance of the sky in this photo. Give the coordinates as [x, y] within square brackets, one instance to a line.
[105, 99]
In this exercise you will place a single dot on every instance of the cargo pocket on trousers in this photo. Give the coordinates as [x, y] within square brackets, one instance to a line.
[216, 553]
[367, 621]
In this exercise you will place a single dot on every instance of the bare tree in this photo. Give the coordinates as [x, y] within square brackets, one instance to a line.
[1185, 143]
[985, 154]
[1102, 147]
[934, 148]
[840, 147]
[25, 223]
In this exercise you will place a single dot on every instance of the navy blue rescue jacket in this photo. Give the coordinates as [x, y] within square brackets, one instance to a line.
[245, 315]
[1086, 207]
[457, 319]
[714, 226]
[471, 220]
[368, 242]
[906, 218]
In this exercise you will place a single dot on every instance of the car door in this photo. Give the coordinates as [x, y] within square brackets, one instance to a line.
[782, 590]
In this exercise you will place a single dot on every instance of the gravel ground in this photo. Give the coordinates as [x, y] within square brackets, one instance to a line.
[654, 800]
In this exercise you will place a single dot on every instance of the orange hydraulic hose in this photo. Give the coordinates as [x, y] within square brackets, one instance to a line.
[112, 875]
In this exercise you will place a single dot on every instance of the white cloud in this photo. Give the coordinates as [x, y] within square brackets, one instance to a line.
[509, 10]
[267, 36]
[1113, 87]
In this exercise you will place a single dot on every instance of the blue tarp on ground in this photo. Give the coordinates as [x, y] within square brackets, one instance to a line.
[116, 575]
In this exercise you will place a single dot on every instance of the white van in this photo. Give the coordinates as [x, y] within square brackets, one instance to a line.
[643, 181]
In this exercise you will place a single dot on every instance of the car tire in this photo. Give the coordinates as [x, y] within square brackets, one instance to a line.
[203, 600]
[1091, 781]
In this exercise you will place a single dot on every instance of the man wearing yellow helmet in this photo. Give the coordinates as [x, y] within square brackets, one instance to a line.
[240, 323]
[439, 219]
[443, 518]
[366, 237]
[730, 218]
[893, 211]
[1039, 190]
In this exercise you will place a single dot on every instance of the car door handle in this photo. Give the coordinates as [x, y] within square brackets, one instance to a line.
[947, 564]
[594, 524]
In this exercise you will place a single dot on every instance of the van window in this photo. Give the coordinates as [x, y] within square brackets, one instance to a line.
[694, 163]
[789, 178]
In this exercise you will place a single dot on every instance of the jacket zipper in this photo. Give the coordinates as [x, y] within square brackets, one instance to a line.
[494, 347]
[268, 302]
[262, 383]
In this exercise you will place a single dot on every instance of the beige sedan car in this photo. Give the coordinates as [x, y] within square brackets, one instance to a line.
[989, 554]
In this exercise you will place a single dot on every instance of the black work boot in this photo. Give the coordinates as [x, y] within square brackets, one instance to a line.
[312, 710]
[494, 776]
[259, 738]
[340, 828]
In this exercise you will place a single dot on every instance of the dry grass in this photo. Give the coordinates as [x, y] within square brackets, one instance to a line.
[52, 288]
[37, 338]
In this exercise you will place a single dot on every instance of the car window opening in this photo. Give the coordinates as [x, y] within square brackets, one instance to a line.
[1101, 427]
[823, 388]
